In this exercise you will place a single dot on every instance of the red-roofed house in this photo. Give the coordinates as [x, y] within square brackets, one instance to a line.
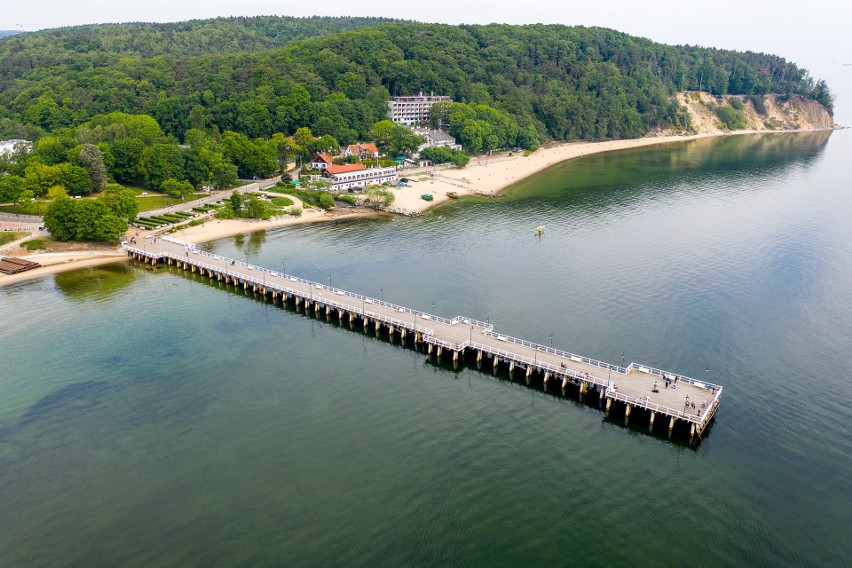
[320, 161]
[363, 151]
[351, 176]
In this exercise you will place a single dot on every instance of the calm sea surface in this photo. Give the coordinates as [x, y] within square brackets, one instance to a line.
[148, 418]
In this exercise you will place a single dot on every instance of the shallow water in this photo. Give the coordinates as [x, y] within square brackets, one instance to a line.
[151, 418]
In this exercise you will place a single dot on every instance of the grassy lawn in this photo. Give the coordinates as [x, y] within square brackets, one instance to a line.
[9, 237]
[36, 208]
[34, 244]
[151, 202]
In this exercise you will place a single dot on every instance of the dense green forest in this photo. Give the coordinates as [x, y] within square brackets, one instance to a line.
[179, 106]
[566, 82]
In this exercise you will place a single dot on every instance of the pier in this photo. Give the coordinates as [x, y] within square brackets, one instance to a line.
[631, 387]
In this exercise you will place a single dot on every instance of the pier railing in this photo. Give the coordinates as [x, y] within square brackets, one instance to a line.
[324, 299]
[557, 352]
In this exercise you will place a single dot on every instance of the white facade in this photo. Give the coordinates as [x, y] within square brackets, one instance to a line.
[413, 110]
[320, 162]
[435, 138]
[7, 147]
[361, 178]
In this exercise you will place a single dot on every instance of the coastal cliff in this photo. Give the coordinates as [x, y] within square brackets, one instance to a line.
[708, 113]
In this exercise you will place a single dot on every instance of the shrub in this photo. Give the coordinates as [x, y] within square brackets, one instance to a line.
[379, 197]
[759, 104]
[34, 244]
[196, 222]
[295, 211]
[281, 201]
[731, 118]
[736, 103]
[326, 201]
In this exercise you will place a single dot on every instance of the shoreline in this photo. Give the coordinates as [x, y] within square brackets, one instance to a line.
[487, 175]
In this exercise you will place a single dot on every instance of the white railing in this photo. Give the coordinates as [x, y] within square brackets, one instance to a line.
[681, 378]
[557, 370]
[557, 352]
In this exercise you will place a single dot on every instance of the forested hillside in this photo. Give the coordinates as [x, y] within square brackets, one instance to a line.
[195, 37]
[566, 82]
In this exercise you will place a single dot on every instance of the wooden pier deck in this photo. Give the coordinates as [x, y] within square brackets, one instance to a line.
[630, 386]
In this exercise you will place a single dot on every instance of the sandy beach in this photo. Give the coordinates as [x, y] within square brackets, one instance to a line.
[483, 176]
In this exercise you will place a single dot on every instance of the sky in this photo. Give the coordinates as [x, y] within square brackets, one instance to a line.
[814, 34]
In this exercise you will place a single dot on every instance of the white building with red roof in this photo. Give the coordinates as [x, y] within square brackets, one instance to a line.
[320, 161]
[358, 176]
[363, 151]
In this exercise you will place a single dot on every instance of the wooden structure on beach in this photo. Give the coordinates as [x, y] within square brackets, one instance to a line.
[634, 387]
[13, 265]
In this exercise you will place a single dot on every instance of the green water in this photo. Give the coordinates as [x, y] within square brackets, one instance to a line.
[152, 418]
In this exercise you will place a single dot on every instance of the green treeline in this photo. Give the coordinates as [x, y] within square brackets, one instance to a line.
[559, 82]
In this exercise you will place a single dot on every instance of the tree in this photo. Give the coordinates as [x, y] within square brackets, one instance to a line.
[197, 168]
[378, 197]
[123, 159]
[223, 174]
[11, 187]
[56, 191]
[254, 208]
[304, 140]
[178, 189]
[121, 201]
[60, 220]
[40, 178]
[326, 201]
[326, 143]
[253, 159]
[161, 162]
[199, 117]
[95, 222]
[75, 179]
[54, 149]
[528, 138]
[459, 159]
[439, 114]
[395, 138]
[236, 201]
[92, 161]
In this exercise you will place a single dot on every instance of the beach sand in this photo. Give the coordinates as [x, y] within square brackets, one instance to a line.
[483, 175]
[54, 263]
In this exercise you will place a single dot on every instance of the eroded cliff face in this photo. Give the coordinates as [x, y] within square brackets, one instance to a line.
[796, 113]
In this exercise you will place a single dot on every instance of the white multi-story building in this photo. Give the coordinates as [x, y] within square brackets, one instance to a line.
[351, 176]
[413, 110]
